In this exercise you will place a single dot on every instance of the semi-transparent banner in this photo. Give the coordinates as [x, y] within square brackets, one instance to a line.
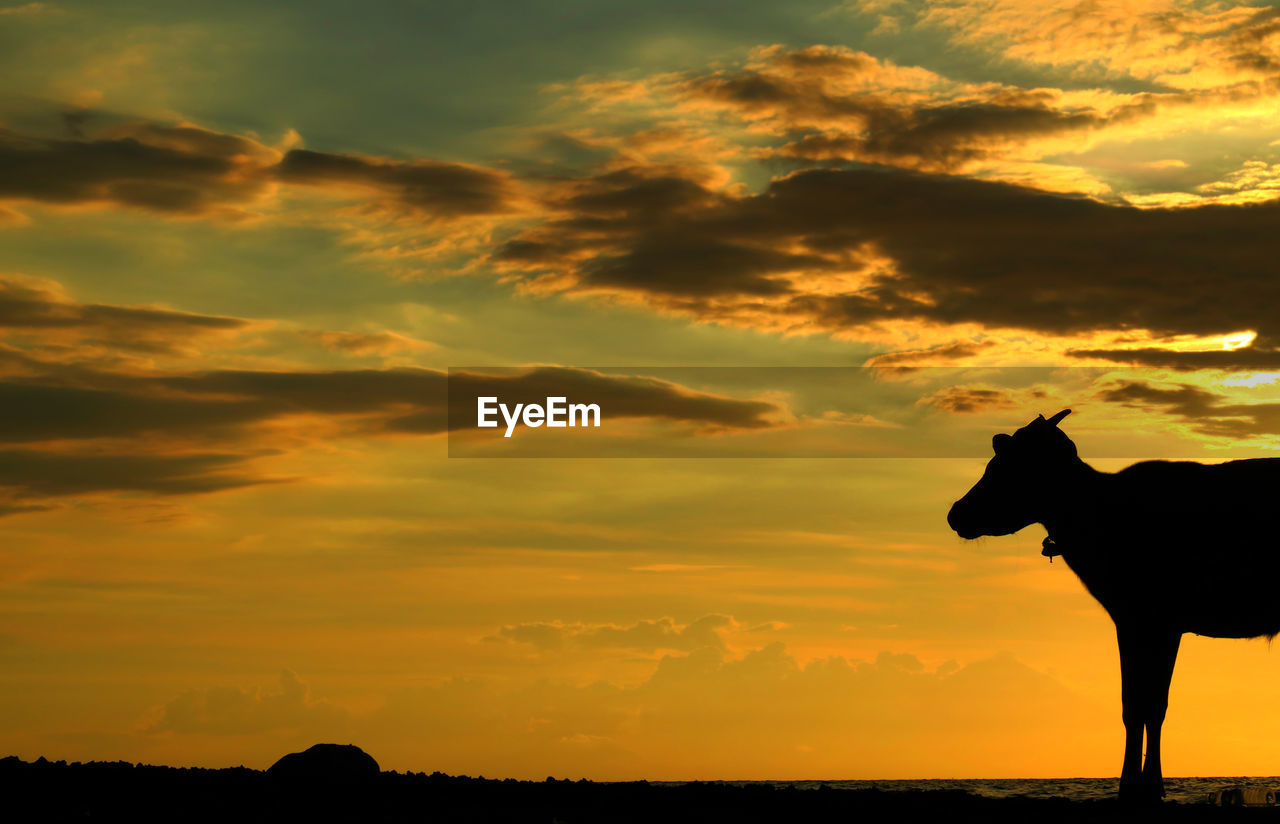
[850, 412]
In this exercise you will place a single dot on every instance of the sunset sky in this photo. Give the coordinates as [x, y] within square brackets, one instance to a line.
[242, 245]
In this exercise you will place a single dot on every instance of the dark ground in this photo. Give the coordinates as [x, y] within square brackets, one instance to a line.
[55, 791]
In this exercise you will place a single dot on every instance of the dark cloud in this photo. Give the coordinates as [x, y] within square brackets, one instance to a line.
[188, 171]
[963, 251]
[31, 411]
[420, 400]
[402, 400]
[661, 251]
[1250, 46]
[633, 191]
[1007, 256]
[30, 305]
[965, 399]
[42, 474]
[680, 265]
[1261, 354]
[1185, 400]
[619, 396]
[1209, 413]
[425, 186]
[823, 59]
[336, 392]
[11, 508]
[939, 137]
[194, 433]
[177, 170]
[806, 94]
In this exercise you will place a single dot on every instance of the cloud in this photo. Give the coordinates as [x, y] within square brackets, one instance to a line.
[85, 429]
[1177, 43]
[857, 250]
[1260, 354]
[644, 636]
[619, 396]
[40, 307]
[237, 711]
[430, 188]
[841, 250]
[32, 412]
[860, 252]
[1209, 413]
[839, 104]
[419, 401]
[963, 399]
[187, 171]
[176, 170]
[944, 355]
[42, 474]
[760, 715]
[832, 105]
[391, 401]
[368, 343]
[8, 508]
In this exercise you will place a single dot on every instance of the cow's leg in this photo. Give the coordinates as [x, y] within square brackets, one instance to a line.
[1131, 709]
[1147, 657]
[1163, 656]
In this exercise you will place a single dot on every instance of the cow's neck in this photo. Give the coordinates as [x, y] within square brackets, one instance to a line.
[1070, 508]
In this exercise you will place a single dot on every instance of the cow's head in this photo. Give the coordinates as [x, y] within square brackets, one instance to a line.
[1027, 468]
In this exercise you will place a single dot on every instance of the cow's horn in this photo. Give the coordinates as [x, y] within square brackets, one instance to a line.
[1058, 417]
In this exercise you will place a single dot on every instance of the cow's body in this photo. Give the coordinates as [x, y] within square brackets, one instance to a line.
[1166, 547]
[1190, 545]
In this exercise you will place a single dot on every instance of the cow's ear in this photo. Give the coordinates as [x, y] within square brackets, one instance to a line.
[999, 442]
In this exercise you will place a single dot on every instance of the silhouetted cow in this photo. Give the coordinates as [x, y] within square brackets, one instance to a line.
[1166, 548]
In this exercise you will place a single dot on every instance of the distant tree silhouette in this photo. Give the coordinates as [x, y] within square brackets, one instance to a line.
[48, 791]
[1167, 547]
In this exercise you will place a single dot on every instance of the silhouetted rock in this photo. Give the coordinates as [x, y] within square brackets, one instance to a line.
[327, 762]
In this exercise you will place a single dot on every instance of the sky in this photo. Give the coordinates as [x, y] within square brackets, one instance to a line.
[813, 254]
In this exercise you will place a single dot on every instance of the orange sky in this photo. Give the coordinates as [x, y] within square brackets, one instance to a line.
[243, 246]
